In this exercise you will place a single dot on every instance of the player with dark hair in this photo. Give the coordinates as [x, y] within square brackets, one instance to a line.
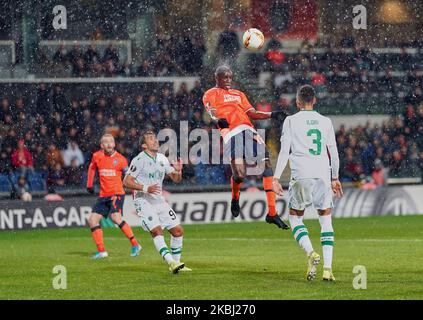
[110, 165]
[231, 111]
[308, 142]
[145, 177]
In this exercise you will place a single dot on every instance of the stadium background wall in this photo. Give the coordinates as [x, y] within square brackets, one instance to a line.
[209, 208]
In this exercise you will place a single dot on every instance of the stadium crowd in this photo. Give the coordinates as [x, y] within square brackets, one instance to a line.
[168, 56]
[53, 136]
[56, 136]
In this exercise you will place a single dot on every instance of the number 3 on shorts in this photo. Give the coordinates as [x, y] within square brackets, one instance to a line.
[317, 141]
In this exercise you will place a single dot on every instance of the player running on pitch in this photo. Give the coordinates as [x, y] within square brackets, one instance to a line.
[314, 163]
[145, 176]
[231, 111]
[110, 165]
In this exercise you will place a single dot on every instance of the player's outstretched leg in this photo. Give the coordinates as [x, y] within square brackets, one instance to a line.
[327, 240]
[135, 246]
[176, 239]
[272, 216]
[236, 190]
[97, 234]
[300, 233]
[164, 251]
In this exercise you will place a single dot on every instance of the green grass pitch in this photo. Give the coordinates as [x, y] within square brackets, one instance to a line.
[229, 261]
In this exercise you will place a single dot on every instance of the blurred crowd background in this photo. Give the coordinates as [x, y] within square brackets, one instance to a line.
[49, 129]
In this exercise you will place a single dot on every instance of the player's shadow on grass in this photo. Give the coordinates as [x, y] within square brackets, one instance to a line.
[80, 254]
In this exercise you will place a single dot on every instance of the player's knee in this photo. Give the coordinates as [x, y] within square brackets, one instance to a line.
[92, 221]
[116, 218]
[156, 232]
[177, 231]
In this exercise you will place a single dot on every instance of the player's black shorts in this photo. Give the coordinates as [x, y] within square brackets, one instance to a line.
[246, 145]
[108, 205]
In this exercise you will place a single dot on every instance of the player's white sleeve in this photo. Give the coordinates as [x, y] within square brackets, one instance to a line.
[285, 148]
[333, 152]
[135, 168]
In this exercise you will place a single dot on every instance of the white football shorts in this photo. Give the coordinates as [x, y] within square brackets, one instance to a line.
[306, 192]
[154, 214]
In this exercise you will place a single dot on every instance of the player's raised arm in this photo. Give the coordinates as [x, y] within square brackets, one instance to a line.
[283, 156]
[176, 173]
[254, 114]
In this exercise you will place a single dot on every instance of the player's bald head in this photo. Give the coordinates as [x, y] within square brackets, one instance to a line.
[223, 76]
[107, 143]
[221, 70]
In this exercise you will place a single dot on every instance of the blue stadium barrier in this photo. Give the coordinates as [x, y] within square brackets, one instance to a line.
[5, 185]
[36, 181]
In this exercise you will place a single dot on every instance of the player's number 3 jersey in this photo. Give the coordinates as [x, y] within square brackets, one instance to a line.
[309, 140]
[148, 171]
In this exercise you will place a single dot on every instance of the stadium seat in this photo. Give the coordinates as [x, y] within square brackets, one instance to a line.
[36, 181]
[5, 185]
[14, 177]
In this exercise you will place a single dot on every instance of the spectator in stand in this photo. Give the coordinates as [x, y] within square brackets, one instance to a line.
[126, 69]
[145, 70]
[5, 109]
[152, 108]
[73, 153]
[75, 54]
[112, 54]
[5, 162]
[318, 80]
[274, 56]
[61, 55]
[56, 178]
[22, 190]
[228, 45]
[53, 156]
[92, 56]
[22, 159]
[74, 173]
[379, 174]
[398, 165]
[44, 102]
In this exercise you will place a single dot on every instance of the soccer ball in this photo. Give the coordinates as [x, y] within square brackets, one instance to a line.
[253, 39]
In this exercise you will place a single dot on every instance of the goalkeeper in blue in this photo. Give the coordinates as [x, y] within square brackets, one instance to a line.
[308, 142]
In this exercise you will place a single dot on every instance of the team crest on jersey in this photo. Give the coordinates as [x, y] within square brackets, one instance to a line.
[115, 162]
[230, 97]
